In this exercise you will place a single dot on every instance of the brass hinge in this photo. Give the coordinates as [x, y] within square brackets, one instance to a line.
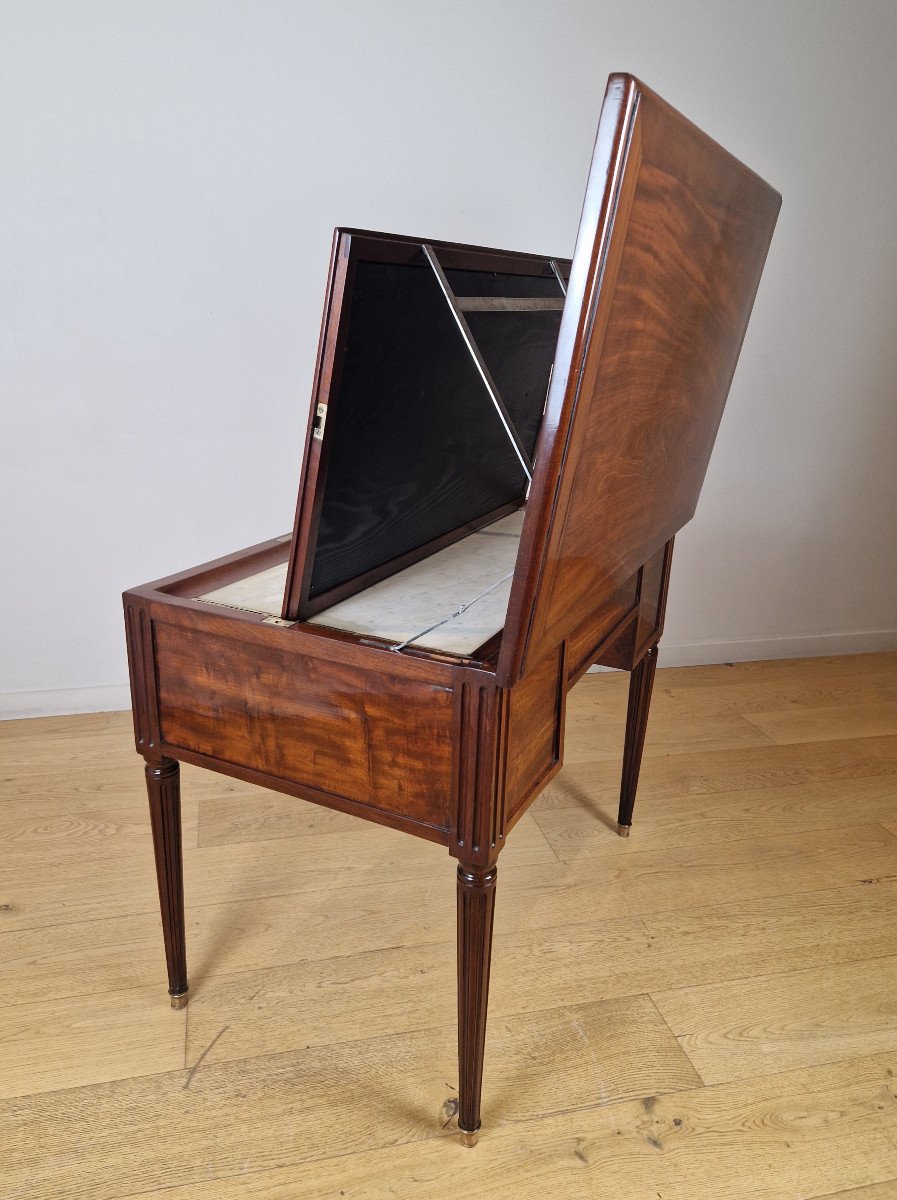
[320, 421]
[278, 621]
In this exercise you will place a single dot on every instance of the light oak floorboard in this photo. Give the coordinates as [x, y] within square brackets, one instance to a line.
[867, 670]
[870, 719]
[256, 815]
[681, 700]
[68, 825]
[724, 772]
[744, 688]
[876, 1191]
[662, 822]
[753, 1027]
[45, 1046]
[630, 1047]
[594, 736]
[701, 871]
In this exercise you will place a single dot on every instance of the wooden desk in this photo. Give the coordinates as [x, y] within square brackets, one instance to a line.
[446, 739]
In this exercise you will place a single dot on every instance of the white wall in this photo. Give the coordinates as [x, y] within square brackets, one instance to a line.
[171, 173]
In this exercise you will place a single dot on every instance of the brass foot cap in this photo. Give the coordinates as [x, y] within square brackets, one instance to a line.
[180, 1000]
[470, 1139]
[623, 830]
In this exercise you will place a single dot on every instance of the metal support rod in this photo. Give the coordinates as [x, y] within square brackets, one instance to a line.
[474, 349]
[558, 275]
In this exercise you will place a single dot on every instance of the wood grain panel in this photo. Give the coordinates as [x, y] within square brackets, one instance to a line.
[672, 241]
[584, 642]
[655, 582]
[312, 721]
[535, 731]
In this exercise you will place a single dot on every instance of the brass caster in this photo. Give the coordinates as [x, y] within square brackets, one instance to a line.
[623, 830]
[469, 1138]
[180, 1000]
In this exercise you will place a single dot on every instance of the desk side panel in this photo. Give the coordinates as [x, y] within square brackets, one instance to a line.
[535, 739]
[270, 708]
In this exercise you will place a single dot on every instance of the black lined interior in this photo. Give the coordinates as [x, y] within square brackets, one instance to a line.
[415, 447]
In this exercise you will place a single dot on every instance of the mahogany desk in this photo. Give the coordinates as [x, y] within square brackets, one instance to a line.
[500, 452]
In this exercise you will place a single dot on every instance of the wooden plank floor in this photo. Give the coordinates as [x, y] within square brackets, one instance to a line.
[707, 1010]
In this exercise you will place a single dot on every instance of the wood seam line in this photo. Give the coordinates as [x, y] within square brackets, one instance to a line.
[544, 836]
[829, 1062]
[693, 1065]
[828, 741]
[767, 740]
[702, 1081]
[845, 962]
[847, 1192]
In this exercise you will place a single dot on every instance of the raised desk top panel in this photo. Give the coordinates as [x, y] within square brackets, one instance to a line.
[672, 241]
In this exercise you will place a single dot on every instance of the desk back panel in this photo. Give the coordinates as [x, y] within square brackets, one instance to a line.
[673, 238]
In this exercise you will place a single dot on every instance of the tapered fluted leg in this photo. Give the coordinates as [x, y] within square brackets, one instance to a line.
[476, 905]
[640, 684]
[163, 787]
